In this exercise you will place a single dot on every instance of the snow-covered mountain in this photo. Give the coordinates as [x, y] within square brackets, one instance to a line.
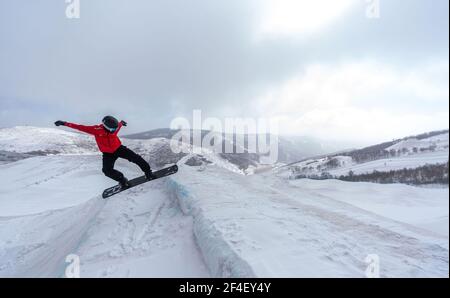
[25, 141]
[414, 145]
[292, 148]
[407, 153]
[28, 139]
[208, 220]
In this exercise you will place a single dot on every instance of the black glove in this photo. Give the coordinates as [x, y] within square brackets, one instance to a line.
[124, 123]
[59, 123]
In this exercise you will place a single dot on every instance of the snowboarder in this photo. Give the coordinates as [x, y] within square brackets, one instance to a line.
[110, 145]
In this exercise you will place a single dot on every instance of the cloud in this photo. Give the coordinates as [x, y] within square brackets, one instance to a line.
[154, 60]
[364, 126]
[360, 100]
[286, 17]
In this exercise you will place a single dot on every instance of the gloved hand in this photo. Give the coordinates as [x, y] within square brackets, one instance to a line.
[124, 123]
[60, 123]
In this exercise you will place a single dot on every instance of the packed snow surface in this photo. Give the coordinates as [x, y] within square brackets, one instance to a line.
[273, 227]
[25, 139]
[208, 220]
[51, 207]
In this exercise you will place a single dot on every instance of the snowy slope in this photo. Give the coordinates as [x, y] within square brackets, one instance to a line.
[426, 208]
[210, 220]
[384, 165]
[51, 207]
[44, 141]
[141, 234]
[270, 227]
[409, 161]
[439, 141]
[39, 184]
[410, 156]
[24, 139]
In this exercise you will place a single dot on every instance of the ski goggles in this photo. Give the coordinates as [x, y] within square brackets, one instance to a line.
[110, 129]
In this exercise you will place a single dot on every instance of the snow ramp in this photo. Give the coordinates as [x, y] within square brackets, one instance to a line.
[263, 226]
[220, 257]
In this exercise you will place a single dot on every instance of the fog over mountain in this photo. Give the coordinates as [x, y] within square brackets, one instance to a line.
[338, 75]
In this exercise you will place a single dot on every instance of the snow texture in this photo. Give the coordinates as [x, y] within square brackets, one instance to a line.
[273, 228]
[208, 220]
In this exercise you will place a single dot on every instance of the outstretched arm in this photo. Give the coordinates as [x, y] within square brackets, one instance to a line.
[121, 124]
[87, 129]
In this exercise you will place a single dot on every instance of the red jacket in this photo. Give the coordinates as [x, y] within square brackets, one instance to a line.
[107, 142]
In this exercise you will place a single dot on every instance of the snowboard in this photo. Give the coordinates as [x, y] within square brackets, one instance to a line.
[109, 192]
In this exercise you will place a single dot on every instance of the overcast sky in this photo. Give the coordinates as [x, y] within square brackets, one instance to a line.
[322, 67]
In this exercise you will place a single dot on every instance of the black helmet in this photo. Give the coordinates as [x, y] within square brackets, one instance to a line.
[110, 123]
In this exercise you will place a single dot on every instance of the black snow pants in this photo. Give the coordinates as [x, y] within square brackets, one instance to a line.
[109, 159]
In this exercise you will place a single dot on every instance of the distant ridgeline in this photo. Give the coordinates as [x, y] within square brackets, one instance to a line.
[290, 149]
[333, 166]
[242, 160]
[7, 156]
[380, 151]
[427, 174]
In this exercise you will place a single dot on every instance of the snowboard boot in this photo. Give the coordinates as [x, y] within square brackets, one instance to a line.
[150, 175]
[124, 183]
